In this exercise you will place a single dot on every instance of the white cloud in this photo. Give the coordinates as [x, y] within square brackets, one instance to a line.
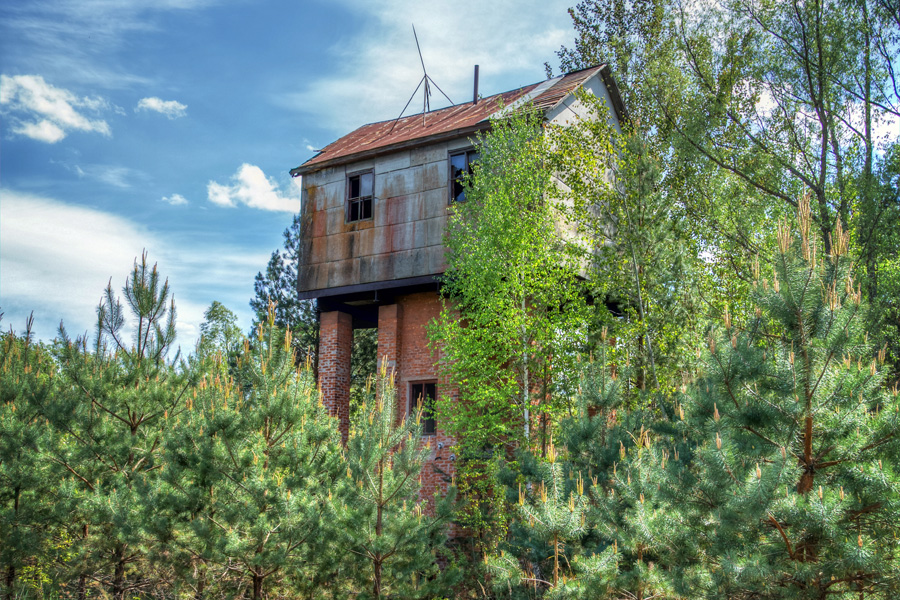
[47, 113]
[170, 108]
[252, 188]
[42, 131]
[56, 259]
[380, 65]
[175, 200]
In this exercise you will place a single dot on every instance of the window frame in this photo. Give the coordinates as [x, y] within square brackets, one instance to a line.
[414, 405]
[349, 200]
[467, 152]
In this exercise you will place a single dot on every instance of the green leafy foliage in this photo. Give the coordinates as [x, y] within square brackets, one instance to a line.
[513, 299]
[642, 265]
[513, 316]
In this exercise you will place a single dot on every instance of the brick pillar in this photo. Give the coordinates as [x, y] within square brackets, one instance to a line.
[389, 342]
[335, 344]
[389, 316]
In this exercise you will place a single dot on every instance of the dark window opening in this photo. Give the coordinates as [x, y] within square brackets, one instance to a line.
[460, 167]
[422, 397]
[360, 190]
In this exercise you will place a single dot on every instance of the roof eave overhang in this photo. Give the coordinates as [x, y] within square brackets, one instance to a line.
[375, 152]
[614, 94]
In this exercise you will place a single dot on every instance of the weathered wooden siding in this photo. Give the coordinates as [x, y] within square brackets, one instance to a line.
[403, 239]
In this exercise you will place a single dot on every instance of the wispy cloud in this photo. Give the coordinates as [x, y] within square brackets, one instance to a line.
[78, 40]
[43, 112]
[380, 67]
[252, 188]
[175, 200]
[56, 259]
[170, 108]
[114, 175]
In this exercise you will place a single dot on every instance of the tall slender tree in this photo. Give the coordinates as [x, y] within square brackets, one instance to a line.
[112, 414]
[279, 285]
[513, 300]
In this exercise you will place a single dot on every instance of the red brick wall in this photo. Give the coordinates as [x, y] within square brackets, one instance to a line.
[335, 345]
[417, 364]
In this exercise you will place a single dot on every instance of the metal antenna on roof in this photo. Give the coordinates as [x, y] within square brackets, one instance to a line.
[427, 81]
[426, 104]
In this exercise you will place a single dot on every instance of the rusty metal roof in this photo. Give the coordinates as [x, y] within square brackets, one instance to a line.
[445, 123]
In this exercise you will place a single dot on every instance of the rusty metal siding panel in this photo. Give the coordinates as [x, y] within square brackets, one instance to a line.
[435, 202]
[404, 238]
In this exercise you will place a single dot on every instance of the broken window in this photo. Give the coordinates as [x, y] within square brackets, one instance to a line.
[422, 397]
[360, 191]
[460, 166]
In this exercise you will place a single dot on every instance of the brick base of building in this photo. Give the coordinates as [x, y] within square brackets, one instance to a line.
[404, 349]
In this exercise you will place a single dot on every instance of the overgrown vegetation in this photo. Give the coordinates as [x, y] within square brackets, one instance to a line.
[676, 346]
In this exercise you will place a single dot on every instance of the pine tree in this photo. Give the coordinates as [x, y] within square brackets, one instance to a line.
[555, 508]
[788, 484]
[613, 470]
[249, 482]
[611, 439]
[111, 415]
[279, 286]
[28, 487]
[397, 534]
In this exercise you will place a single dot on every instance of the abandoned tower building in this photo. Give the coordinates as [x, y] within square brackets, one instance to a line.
[374, 209]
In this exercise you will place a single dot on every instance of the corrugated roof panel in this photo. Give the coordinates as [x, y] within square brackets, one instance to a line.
[382, 136]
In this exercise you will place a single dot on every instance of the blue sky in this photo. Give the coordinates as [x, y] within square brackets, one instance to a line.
[171, 126]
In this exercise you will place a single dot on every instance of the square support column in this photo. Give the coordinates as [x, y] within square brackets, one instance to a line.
[389, 337]
[335, 346]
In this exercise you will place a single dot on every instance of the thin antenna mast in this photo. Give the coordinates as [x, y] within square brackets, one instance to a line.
[426, 103]
[427, 81]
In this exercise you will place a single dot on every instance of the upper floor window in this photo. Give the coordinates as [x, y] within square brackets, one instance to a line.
[360, 191]
[422, 396]
[460, 165]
